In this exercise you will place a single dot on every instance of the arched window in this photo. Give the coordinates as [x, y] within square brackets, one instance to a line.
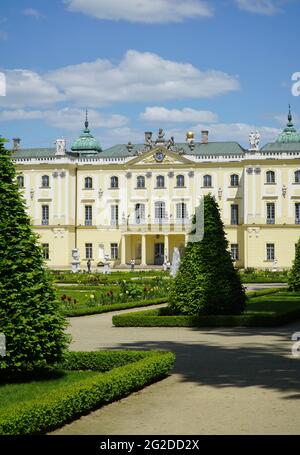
[140, 213]
[297, 177]
[20, 180]
[88, 183]
[180, 181]
[270, 177]
[140, 181]
[114, 182]
[160, 211]
[234, 180]
[207, 181]
[45, 181]
[160, 181]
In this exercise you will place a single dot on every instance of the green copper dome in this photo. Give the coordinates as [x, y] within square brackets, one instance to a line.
[289, 134]
[86, 144]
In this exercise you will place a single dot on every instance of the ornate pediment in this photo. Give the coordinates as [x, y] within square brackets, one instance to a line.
[159, 156]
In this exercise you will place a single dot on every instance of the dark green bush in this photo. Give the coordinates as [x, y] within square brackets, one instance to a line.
[207, 282]
[29, 315]
[59, 407]
[294, 275]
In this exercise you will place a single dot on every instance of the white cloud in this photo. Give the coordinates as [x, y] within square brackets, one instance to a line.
[67, 118]
[26, 88]
[268, 7]
[140, 76]
[146, 11]
[163, 115]
[31, 12]
[137, 77]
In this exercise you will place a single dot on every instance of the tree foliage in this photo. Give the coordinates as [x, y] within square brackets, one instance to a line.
[207, 282]
[294, 274]
[29, 315]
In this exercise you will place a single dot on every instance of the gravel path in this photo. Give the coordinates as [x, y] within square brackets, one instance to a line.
[225, 381]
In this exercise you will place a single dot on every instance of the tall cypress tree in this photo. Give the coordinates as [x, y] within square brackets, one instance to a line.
[294, 274]
[207, 282]
[30, 317]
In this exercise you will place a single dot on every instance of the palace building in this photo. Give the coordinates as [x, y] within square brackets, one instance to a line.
[136, 201]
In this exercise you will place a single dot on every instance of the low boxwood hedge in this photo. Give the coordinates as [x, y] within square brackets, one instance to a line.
[120, 373]
[98, 309]
[162, 318]
[261, 319]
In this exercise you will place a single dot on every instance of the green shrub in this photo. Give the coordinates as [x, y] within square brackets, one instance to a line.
[59, 407]
[84, 311]
[207, 282]
[294, 275]
[29, 315]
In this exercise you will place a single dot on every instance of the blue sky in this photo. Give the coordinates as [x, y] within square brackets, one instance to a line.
[224, 65]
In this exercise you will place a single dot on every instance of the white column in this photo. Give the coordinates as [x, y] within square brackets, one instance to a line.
[123, 250]
[144, 251]
[167, 247]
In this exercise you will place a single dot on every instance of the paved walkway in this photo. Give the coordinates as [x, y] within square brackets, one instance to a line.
[225, 381]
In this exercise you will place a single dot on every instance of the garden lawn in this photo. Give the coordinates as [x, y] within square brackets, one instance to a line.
[83, 382]
[268, 310]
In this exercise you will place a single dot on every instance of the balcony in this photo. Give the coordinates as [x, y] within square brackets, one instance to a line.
[88, 223]
[297, 220]
[45, 222]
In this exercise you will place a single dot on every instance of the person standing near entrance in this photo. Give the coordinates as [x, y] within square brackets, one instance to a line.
[89, 264]
[132, 264]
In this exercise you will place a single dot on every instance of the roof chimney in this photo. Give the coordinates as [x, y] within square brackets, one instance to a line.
[16, 144]
[204, 137]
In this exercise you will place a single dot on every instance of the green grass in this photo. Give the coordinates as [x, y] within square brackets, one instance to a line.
[84, 381]
[16, 393]
[268, 310]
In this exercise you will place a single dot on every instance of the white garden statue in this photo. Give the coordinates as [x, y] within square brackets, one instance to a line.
[175, 262]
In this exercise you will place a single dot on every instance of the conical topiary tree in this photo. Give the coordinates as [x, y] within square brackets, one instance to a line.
[294, 274]
[207, 282]
[30, 317]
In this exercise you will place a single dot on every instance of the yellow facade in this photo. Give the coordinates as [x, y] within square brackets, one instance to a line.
[149, 234]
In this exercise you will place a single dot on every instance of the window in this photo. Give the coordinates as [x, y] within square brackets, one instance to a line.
[45, 215]
[45, 250]
[160, 211]
[140, 181]
[88, 251]
[114, 251]
[114, 215]
[234, 180]
[88, 183]
[207, 181]
[234, 249]
[88, 215]
[114, 182]
[234, 214]
[180, 181]
[270, 177]
[160, 181]
[297, 213]
[297, 177]
[139, 213]
[181, 211]
[45, 181]
[20, 180]
[270, 251]
[270, 213]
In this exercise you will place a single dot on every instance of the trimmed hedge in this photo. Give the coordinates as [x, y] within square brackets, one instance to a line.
[162, 318]
[84, 311]
[261, 319]
[262, 292]
[59, 407]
